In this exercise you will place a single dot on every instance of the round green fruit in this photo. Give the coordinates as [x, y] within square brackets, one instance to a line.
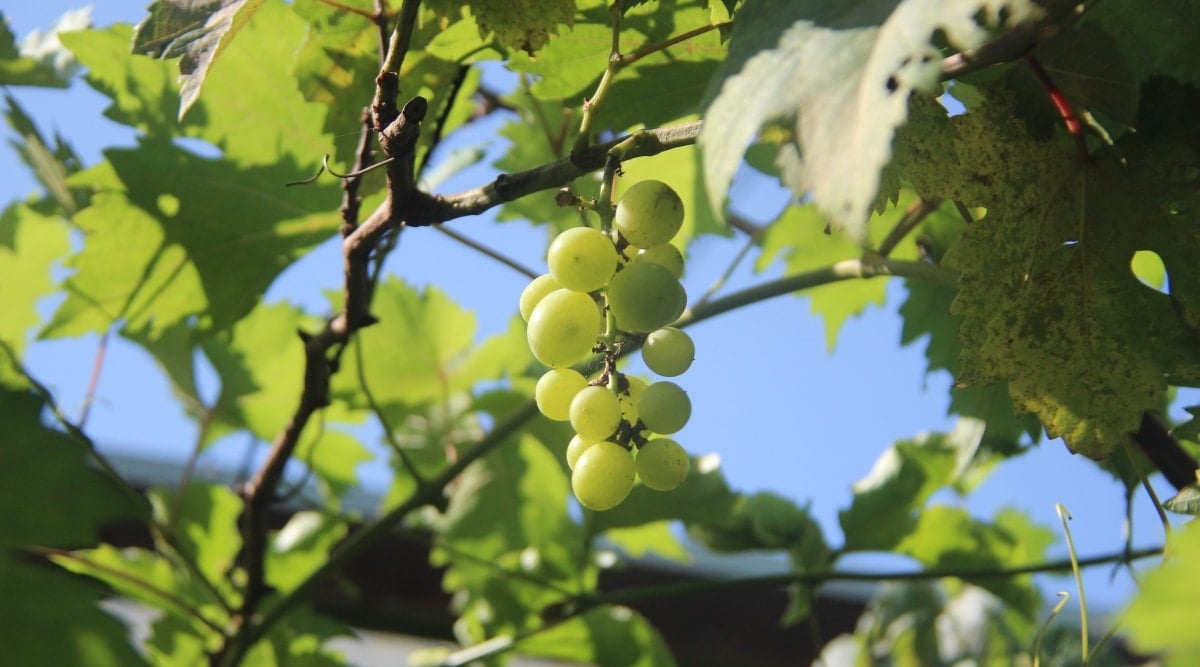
[649, 213]
[603, 476]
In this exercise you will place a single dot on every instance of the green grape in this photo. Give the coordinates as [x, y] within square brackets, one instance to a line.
[663, 254]
[563, 328]
[582, 259]
[554, 392]
[575, 448]
[629, 399]
[645, 296]
[649, 213]
[603, 476]
[662, 464]
[535, 291]
[664, 408]
[595, 413]
[668, 352]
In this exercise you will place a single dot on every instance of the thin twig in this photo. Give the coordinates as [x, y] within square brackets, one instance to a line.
[89, 394]
[682, 37]
[913, 216]
[494, 254]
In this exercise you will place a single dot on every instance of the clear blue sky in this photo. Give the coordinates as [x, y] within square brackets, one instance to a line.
[783, 414]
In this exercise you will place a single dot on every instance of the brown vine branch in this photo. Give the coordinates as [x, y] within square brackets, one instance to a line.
[507, 187]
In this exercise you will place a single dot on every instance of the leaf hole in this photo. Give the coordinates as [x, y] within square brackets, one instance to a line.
[1150, 270]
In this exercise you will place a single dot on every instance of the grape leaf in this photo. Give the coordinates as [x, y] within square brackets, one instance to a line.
[950, 537]
[205, 517]
[1155, 38]
[1088, 67]
[654, 538]
[300, 547]
[260, 363]
[1159, 620]
[146, 577]
[799, 237]
[36, 466]
[1047, 297]
[570, 65]
[29, 245]
[423, 350]
[245, 112]
[607, 635]
[888, 501]
[522, 24]
[844, 72]
[198, 31]
[172, 235]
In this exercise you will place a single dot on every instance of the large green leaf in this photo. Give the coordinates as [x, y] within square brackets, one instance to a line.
[173, 236]
[300, 547]
[52, 498]
[423, 350]
[613, 636]
[888, 501]
[1048, 300]
[1154, 39]
[799, 237]
[949, 537]
[261, 366]
[29, 245]
[196, 32]
[844, 72]
[205, 517]
[514, 24]
[1159, 620]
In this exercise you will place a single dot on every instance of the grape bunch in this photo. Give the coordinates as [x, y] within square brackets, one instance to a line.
[606, 291]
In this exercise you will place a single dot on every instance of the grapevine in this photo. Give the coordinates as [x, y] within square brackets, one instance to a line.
[609, 290]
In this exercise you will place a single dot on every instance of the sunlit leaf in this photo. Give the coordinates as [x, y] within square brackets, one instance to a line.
[195, 32]
[844, 72]
[1158, 619]
[52, 497]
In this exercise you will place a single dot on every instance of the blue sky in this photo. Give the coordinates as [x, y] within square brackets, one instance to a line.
[782, 412]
